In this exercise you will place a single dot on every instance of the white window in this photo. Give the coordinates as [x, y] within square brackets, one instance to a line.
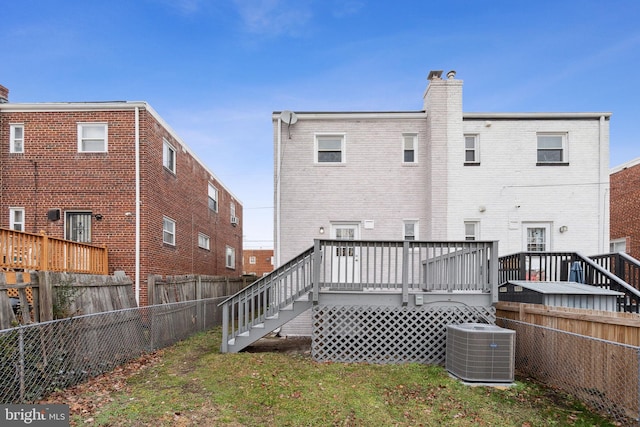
[78, 226]
[203, 241]
[168, 231]
[230, 258]
[213, 198]
[330, 149]
[16, 219]
[409, 148]
[252, 260]
[92, 137]
[471, 230]
[232, 208]
[410, 230]
[16, 138]
[618, 245]
[471, 151]
[537, 237]
[552, 148]
[168, 156]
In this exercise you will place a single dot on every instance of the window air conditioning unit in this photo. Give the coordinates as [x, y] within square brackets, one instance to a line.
[478, 352]
[234, 220]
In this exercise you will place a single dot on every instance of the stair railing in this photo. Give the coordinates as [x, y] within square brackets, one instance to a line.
[266, 296]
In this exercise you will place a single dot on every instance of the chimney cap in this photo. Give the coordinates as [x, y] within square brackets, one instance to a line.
[451, 74]
[434, 74]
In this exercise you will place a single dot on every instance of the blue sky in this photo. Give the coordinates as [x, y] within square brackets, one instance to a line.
[216, 70]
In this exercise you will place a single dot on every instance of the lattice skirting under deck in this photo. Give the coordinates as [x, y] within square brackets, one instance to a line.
[380, 334]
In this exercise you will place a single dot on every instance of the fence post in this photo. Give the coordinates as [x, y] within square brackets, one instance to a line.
[151, 289]
[45, 291]
[405, 273]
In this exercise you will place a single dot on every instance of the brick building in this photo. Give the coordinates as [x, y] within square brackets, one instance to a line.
[625, 208]
[116, 174]
[532, 181]
[257, 261]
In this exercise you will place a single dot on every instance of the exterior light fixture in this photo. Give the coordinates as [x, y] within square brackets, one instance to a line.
[321, 230]
[564, 229]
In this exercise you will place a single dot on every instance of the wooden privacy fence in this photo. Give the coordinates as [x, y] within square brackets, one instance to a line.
[28, 251]
[623, 328]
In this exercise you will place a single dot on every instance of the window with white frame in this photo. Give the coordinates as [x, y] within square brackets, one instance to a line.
[168, 156]
[213, 198]
[330, 149]
[471, 230]
[410, 230]
[16, 219]
[168, 231]
[409, 148]
[92, 137]
[230, 261]
[232, 209]
[537, 238]
[552, 148]
[471, 150]
[16, 138]
[78, 226]
[252, 260]
[618, 245]
[203, 241]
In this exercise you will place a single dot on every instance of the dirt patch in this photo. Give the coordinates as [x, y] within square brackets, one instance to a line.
[290, 345]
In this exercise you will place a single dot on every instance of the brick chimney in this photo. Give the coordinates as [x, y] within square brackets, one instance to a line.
[4, 95]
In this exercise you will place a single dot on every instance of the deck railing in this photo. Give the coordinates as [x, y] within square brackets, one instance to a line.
[364, 266]
[600, 271]
[622, 265]
[28, 251]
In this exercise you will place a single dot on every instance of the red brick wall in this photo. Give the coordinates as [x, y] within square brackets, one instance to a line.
[263, 258]
[52, 174]
[625, 208]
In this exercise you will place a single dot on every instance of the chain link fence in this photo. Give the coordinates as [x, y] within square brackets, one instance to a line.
[39, 358]
[602, 374]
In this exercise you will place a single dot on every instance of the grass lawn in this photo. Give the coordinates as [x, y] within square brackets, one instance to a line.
[192, 384]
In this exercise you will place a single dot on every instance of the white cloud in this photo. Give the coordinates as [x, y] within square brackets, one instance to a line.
[274, 17]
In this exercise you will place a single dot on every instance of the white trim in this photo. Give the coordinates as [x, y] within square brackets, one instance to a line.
[206, 239]
[627, 165]
[174, 232]
[548, 227]
[167, 147]
[343, 147]
[81, 126]
[415, 147]
[12, 222]
[12, 137]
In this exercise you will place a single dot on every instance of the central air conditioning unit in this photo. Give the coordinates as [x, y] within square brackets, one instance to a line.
[478, 352]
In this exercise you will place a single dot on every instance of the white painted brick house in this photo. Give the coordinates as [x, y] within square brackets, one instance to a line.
[532, 181]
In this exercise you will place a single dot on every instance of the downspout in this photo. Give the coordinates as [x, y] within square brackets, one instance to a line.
[278, 154]
[138, 202]
[602, 193]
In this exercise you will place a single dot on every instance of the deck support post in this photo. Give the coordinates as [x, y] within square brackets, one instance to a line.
[317, 261]
[225, 328]
[405, 273]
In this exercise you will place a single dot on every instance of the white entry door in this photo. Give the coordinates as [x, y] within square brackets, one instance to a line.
[345, 257]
